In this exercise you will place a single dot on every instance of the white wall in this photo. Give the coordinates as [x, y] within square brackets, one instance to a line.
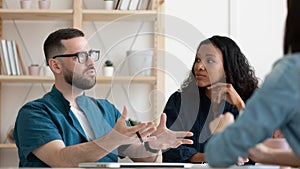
[259, 29]
[255, 25]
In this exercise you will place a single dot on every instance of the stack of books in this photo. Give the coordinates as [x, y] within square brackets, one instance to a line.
[134, 4]
[11, 61]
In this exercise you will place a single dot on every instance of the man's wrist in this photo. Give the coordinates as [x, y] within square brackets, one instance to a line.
[149, 149]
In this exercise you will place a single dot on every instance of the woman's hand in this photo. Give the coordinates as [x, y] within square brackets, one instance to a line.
[261, 154]
[265, 155]
[225, 91]
[221, 122]
[166, 138]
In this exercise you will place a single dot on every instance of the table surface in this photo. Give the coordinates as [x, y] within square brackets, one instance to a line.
[195, 166]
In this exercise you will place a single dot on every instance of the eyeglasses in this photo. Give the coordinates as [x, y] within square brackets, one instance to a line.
[83, 56]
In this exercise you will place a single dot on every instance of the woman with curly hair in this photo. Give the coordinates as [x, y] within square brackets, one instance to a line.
[221, 80]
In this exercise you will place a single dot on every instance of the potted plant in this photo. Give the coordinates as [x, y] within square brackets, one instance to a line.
[108, 69]
[108, 4]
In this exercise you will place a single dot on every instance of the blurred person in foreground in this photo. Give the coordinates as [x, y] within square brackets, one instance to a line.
[275, 105]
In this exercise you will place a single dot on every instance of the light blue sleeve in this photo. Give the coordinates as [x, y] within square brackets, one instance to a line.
[269, 108]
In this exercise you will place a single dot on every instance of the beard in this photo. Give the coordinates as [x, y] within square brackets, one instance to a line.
[79, 80]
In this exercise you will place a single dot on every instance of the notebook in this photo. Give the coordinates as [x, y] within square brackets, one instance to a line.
[139, 165]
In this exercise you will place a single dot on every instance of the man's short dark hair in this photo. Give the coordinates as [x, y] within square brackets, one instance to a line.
[53, 45]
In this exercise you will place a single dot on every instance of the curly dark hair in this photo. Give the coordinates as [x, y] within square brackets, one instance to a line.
[238, 71]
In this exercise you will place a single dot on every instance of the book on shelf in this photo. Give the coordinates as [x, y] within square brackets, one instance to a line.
[23, 70]
[11, 57]
[4, 58]
[139, 6]
[143, 4]
[151, 4]
[11, 61]
[16, 58]
[116, 3]
[124, 4]
[133, 5]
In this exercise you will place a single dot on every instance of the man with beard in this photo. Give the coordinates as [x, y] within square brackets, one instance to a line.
[65, 127]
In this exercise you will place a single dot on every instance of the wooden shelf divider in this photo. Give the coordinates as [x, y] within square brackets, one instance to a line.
[8, 146]
[99, 79]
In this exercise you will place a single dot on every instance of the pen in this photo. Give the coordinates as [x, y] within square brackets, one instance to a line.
[137, 133]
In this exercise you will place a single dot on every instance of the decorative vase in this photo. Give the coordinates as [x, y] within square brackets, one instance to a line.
[44, 4]
[34, 69]
[108, 71]
[25, 4]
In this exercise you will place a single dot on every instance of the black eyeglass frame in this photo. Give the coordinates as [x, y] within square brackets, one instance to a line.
[79, 55]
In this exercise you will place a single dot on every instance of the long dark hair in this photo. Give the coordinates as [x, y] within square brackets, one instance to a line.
[238, 71]
[292, 28]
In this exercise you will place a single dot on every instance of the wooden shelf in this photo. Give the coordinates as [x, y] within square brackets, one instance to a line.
[88, 15]
[7, 146]
[30, 14]
[122, 15]
[100, 79]
[126, 79]
[26, 79]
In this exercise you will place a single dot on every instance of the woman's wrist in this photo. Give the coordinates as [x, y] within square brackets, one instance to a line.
[197, 158]
[240, 106]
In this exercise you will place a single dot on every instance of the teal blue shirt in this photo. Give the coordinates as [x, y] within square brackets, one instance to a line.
[276, 105]
[50, 118]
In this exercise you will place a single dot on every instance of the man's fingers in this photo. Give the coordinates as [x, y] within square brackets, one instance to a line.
[163, 120]
[124, 113]
[182, 134]
[138, 127]
[150, 138]
[148, 131]
[180, 138]
[187, 141]
[180, 142]
[143, 128]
